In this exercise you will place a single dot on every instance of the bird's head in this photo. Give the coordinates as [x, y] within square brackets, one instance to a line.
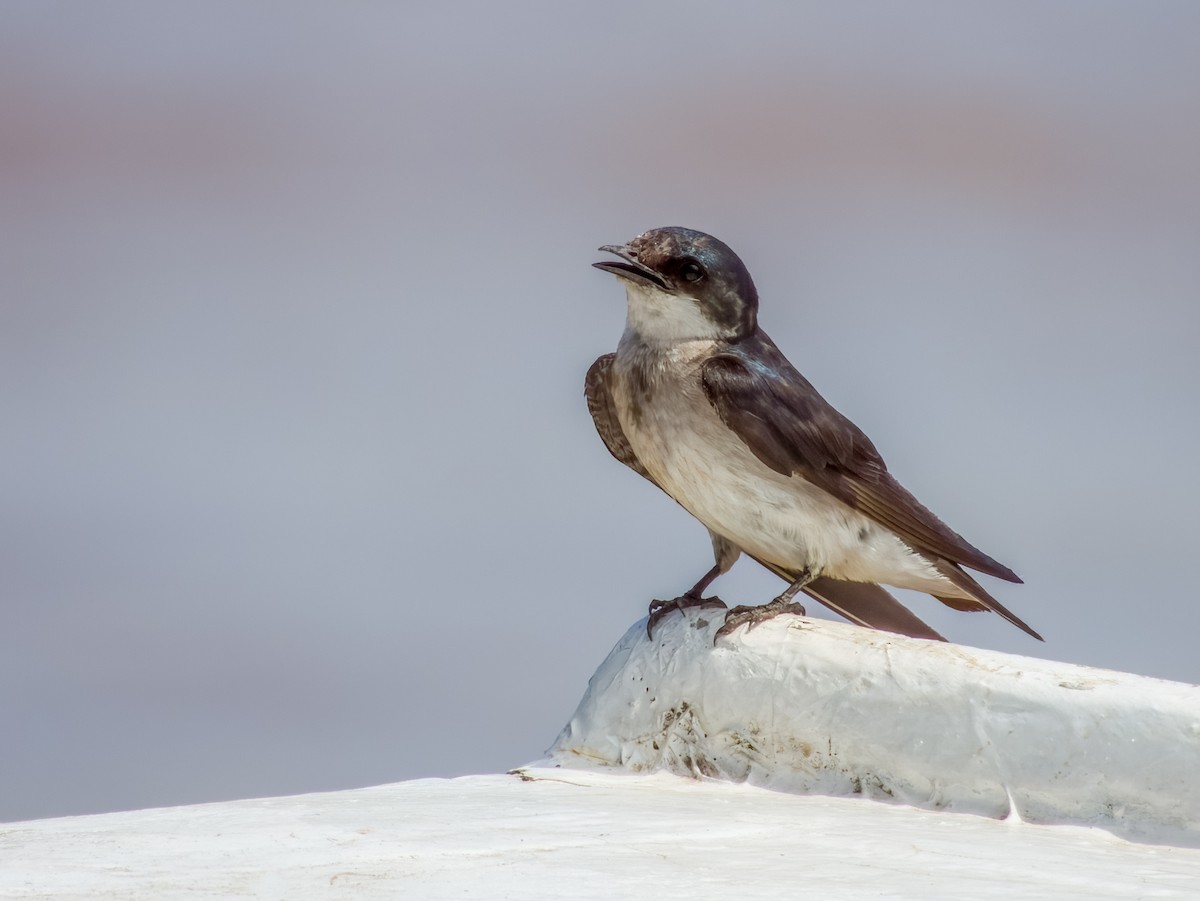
[684, 285]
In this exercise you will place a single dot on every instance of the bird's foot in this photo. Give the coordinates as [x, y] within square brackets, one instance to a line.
[752, 616]
[660, 609]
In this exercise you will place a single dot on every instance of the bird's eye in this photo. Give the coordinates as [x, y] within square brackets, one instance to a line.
[691, 272]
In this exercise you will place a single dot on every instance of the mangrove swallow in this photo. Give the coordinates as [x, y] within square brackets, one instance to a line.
[701, 402]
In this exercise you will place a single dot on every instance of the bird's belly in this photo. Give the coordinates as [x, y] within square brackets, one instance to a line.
[778, 519]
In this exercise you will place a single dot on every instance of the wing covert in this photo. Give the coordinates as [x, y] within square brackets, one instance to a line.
[787, 425]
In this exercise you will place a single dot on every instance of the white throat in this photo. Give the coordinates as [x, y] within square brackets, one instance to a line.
[658, 317]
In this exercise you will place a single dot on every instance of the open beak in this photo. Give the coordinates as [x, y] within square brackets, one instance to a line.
[628, 267]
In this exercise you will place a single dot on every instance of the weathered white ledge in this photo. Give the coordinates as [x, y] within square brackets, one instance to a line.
[800, 705]
[810, 706]
[553, 834]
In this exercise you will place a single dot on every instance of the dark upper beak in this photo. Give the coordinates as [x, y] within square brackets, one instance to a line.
[629, 267]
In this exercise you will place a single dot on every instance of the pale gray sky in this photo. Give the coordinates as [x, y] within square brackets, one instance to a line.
[298, 490]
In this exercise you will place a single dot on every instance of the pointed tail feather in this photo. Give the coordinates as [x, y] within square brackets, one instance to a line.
[963, 580]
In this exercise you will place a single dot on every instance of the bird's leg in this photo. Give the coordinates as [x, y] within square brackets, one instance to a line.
[752, 616]
[693, 597]
[696, 592]
[785, 597]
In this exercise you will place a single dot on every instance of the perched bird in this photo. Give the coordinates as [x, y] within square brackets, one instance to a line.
[701, 402]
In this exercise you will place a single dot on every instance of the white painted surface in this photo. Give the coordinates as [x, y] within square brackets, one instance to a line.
[575, 834]
[795, 704]
[810, 706]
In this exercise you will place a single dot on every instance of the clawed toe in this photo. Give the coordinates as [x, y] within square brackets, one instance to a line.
[660, 609]
[753, 616]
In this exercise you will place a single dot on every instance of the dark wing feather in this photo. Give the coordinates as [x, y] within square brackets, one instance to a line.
[783, 420]
[795, 431]
[604, 414]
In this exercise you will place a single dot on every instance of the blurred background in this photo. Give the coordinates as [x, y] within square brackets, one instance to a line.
[298, 490]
